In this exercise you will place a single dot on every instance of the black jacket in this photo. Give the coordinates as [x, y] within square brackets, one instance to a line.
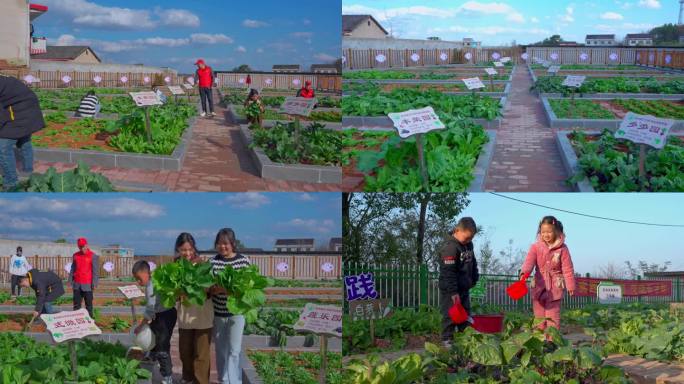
[457, 268]
[48, 287]
[20, 113]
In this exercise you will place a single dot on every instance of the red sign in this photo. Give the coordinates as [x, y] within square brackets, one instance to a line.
[587, 287]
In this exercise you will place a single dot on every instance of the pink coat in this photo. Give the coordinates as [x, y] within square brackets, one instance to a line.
[554, 269]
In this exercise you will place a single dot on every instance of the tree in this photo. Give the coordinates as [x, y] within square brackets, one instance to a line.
[243, 68]
[239, 244]
[487, 262]
[611, 271]
[511, 259]
[435, 38]
[359, 211]
[666, 34]
[554, 40]
[60, 241]
[338, 64]
[644, 268]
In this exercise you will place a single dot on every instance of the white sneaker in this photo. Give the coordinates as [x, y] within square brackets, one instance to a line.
[446, 344]
[470, 320]
[203, 114]
[213, 113]
[167, 380]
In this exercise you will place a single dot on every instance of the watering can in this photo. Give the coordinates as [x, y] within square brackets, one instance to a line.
[457, 313]
[518, 290]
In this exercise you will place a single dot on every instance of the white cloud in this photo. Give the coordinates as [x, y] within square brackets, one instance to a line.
[254, 23]
[324, 57]
[305, 197]
[386, 14]
[205, 38]
[85, 13]
[178, 18]
[306, 22]
[301, 35]
[241, 49]
[66, 40]
[115, 208]
[477, 8]
[173, 233]
[568, 16]
[260, 50]
[164, 42]
[247, 200]
[611, 16]
[653, 4]
[309, 225]
[18, 223]
[534, 20]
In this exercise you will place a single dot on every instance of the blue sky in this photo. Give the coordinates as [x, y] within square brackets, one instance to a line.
[592, 242]
[150, 223]
[175, 33]
[525, 21]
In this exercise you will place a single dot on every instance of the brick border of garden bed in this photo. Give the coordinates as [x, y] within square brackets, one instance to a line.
[295, 172]
[570, 160]
[557, 123]
[235, 119]
[173, 162]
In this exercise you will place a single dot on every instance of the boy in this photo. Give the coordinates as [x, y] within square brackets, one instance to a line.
[160, 319]
[457, 274]
[84, 275]
[48, 287]
[19, 267]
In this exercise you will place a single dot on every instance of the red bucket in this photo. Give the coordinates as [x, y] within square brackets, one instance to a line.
[488, 323]
[457, 313]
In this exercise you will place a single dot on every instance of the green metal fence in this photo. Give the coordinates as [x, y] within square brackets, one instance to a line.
[411, 285]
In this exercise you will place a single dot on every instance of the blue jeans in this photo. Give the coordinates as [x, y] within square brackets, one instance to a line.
[8, 162]
[48, 309]
[228, 342]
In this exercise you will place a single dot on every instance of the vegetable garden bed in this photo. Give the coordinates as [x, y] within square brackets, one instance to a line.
[615, 85]
[275, 155]
[601, 113]
[278, 367]
[599, 162]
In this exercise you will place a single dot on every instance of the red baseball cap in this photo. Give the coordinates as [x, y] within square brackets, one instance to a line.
[308, 82]
[199, 61]
[82, 242]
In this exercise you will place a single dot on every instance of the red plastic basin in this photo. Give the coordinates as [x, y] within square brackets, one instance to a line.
[488, 323]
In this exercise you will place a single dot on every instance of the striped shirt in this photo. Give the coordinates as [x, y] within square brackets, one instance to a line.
[218, 264]
[87, 107]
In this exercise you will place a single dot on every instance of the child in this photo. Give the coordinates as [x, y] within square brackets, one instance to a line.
[160, 95]
[228, 328]
[254, 98]
[18, 269]
[551, 258]
[48, 287]
[84, 275]
[89, 106]
[457, 274]
[195, 324]
[160, 319]
[306, 91]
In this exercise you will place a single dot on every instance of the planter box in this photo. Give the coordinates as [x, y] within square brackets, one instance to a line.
[294, 172]
[591, 124]
[604, 96]
[236, 119]
[173, 162]
[570, 161]
[361, 122]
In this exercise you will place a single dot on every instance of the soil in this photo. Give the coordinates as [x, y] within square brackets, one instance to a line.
[442, 88]
[415, 342]
[67, 139]
[350, 170]
[620, 111]
[97, 301]
[17, 322]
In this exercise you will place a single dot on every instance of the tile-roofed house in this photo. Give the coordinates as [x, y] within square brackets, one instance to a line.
[68, 53]
[634, 39]
[600, 40]
[324, 68]
[364, 26]
[294, 245]
[335, 244]
[286, 68]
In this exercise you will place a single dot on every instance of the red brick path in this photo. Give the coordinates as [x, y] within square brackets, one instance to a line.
[526, 157]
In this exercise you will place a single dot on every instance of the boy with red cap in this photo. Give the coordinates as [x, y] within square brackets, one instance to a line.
[306, 92]
[84, 275]
[204, 77]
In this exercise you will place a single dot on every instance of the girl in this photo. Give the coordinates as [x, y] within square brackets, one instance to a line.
[551, 258]
[228, 328]
[254, 98]
[19, 267]
[195, 324]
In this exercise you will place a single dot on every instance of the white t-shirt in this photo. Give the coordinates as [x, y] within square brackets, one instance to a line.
[18, 265]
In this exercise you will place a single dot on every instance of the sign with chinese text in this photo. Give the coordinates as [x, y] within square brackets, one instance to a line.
[360, 287]
[554, 69]
[70, 325]
[144, 99]
[320, 319]
[574, 81]
[298, 106]
[370, 309]
[176, 90]
[609, 293]
[498, 64]
[416, 121]
[586, 286]
[491, 71]
[131, 291]
[473, 83]
[644, 129]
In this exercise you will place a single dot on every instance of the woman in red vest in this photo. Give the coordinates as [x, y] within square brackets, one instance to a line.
[84, 275]
[306, 92]
[204, 77]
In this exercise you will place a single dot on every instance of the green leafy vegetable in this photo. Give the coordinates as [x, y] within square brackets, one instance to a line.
[182, 279]
[245, 290]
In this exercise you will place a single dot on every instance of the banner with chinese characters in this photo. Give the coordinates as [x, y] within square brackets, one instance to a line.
[588, 287]
[360, 287]
[320, 319]
[70, 325]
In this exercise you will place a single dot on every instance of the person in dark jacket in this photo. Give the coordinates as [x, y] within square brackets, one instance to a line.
[48, 287]
[457, 274]
[306, 91]
[84, 275]
[20, 117]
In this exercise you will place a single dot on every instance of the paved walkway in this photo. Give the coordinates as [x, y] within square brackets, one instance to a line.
[216, 161]
[526, 157]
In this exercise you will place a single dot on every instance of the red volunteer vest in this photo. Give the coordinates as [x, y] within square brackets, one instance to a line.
[84, 267]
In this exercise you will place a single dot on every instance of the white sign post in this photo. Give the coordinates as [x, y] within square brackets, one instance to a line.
[131, 292]
[473, 83]
[417, 122]
[298, 106]
[175, 91]
[70, 326]
[554, 69]
[145, 100]
[325, 321]
[609, 293]
[644, 130]
[491, 72]
[574, 83]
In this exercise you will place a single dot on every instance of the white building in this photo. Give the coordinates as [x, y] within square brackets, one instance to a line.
[600, 40]
[638, 39]
[294, 245]
[16, 40]
[362, 26]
